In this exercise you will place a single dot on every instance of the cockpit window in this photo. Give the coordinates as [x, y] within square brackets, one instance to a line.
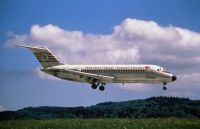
[164, 70]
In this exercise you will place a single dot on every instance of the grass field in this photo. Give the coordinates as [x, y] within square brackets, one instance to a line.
[149, 123]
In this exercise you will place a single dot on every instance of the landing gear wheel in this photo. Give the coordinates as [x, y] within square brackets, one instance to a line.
[164, 86]
[101, 88]
[94, 86]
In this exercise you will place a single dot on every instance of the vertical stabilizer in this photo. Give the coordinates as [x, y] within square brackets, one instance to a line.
[44, 56]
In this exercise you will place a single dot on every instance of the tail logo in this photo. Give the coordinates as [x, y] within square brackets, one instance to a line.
[44, 57]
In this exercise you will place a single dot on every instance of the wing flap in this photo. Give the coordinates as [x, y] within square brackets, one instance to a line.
[91, 75]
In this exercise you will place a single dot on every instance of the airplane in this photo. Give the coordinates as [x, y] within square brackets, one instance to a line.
[99, 75]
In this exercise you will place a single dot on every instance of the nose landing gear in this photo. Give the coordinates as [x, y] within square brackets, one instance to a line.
[164, 86]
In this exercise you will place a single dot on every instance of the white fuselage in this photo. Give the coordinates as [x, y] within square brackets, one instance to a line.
[120, 73]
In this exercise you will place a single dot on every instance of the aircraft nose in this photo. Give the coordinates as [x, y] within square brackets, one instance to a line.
[174, 78]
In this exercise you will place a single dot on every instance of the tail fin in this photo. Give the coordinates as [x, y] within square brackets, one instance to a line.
[44, 56]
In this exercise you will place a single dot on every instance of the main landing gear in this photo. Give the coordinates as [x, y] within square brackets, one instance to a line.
[101, 86]
[164, 86]
[94, 86]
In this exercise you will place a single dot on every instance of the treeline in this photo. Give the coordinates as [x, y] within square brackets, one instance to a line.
[150, 107]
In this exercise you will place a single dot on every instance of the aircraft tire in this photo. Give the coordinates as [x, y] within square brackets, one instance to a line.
[164, 88]
[101, 88]
[94, 86]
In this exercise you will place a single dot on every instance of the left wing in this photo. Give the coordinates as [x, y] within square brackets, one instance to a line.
[91, 75]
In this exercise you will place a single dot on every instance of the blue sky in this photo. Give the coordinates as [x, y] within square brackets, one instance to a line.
[20, 83]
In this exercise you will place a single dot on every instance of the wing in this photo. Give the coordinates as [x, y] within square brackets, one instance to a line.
[88, 77]
[91, 76]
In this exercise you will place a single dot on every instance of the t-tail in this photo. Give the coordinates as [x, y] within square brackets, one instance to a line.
[44, 56]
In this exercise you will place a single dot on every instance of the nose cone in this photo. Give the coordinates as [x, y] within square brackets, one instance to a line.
[174, 78]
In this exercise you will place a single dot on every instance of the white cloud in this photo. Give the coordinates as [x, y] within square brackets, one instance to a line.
[43, 75]
[136, 39]
[189, 78]
[137, 87]
[180, 94]
[134, 29]
[132, 41]
[2, 108]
